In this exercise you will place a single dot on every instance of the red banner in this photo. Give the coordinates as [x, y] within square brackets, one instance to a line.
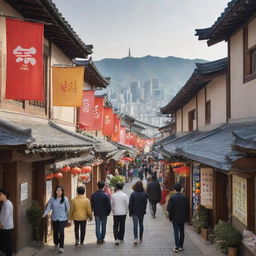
[107, 121]
[25, 75]
[122, 135]
[86, 117]
[132, 139]
[98, 113]
[116, 128]
[127, 138]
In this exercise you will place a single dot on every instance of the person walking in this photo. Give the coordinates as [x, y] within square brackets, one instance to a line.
[130, 174]
[141, 174]
[137, 209]
[119, 204]
[101, 207]
[154, 194]
[6, 223]
[80, 212]
[178, 209]
[59, 206]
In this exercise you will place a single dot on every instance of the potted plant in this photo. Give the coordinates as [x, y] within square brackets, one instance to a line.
[228, 237]
[34, 215]
[196, 225]
[204, 222]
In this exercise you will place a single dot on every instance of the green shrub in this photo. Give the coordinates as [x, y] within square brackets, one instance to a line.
[227, 235]
[203, 217]
[34, 214]
[117, 179]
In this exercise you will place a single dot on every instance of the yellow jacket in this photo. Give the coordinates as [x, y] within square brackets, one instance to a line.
[80, 208]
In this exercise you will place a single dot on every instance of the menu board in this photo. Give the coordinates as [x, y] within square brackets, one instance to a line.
[48, 189]
[239, 196]
[23, 191]
[207, 187]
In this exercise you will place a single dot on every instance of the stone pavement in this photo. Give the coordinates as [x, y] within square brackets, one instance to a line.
[158, 240]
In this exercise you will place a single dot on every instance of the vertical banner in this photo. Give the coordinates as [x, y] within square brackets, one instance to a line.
[132, 139]
[116, 128]
[107, 121]
[98, 113]
[67, 86]
[86, 111]
[207, 187]
[25, 73]
[122, 135]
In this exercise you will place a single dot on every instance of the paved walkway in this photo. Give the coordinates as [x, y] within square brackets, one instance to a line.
[158, 240]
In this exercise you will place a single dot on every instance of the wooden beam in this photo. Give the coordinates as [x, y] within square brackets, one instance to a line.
[245, 163]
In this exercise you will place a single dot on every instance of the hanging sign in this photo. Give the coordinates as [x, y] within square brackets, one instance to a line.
[98, 113]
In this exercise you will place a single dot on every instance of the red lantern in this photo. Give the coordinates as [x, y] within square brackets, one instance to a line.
[75, 170]
[58, 175]
[86, 169]
[65, 169]
[86, 177]
[49, 176]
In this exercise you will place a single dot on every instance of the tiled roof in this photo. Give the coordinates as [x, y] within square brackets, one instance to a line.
[235, 15]
[214, 148]
[202, 75]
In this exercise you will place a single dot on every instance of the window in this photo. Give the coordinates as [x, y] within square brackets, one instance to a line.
[253, 61]
[208, 112]
[191, 119]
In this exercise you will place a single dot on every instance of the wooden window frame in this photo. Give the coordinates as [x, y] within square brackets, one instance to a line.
[191, 118]
[247, 57]
[207, 118]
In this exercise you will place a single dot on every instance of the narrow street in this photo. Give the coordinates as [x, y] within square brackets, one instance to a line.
[158, 240]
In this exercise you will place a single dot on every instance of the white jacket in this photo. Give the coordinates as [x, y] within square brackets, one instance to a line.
[119, 203]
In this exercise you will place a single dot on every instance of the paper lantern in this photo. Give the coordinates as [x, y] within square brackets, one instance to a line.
[65, 169]
[198, 191]
[75, 170]
[49, 176]
[58, 175]
[86, 169]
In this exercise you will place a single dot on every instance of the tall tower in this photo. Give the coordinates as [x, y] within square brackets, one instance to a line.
[129, 53]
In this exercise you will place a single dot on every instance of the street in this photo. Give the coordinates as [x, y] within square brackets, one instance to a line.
[158, 240]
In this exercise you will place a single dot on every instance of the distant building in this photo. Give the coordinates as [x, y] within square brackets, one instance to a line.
[147, 90]
[155, 83]
[135, 86]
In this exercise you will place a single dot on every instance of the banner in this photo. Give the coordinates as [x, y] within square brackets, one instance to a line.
[207, 187]
[107, 121]
[116, 128]
[86, 111]
[122, 135]
[98, 113]
[67, 86]
[127, 138]
[25, 73]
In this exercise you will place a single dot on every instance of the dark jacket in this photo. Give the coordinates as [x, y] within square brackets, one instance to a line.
[100, 203]
[178, 208]
[154, 191]
[138, 203]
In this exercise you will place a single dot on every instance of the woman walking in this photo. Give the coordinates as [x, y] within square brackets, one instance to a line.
[80, 212]
[137, 209]
[59, 206]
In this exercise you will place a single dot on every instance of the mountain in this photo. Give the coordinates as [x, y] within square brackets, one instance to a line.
[171, 72]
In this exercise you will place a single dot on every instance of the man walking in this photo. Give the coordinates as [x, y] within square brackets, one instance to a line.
[154, 194]
[119, 204]
[80, 212]
[178, 208]
[102, 208]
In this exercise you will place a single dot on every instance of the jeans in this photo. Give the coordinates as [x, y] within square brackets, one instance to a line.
[82, 226]
[101, 223]
[119, 227]
[58, 232]
[152, 208]
[6, 242]
[138, 220]
[178, 234]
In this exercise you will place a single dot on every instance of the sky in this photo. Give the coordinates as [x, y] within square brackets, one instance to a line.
[149, 27]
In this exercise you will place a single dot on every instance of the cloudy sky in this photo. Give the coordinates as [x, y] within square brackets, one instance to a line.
[150, 27]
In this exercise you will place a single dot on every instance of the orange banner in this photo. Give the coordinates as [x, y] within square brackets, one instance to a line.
[86, 111]
[122, 135]
[107, 121]
[67, 86]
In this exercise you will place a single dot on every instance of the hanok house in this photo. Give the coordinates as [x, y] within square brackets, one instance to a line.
[206, 140]
[31, 145]
[237, 26]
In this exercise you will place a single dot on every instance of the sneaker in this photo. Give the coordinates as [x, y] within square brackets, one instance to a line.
[56, 247]
[98, 241]
[175, 250]
[102, 241]
[117, 242]
[135, 241]
[141, 239]
[61, 250]
[181, 249]
[121, 241]
[76, 243]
